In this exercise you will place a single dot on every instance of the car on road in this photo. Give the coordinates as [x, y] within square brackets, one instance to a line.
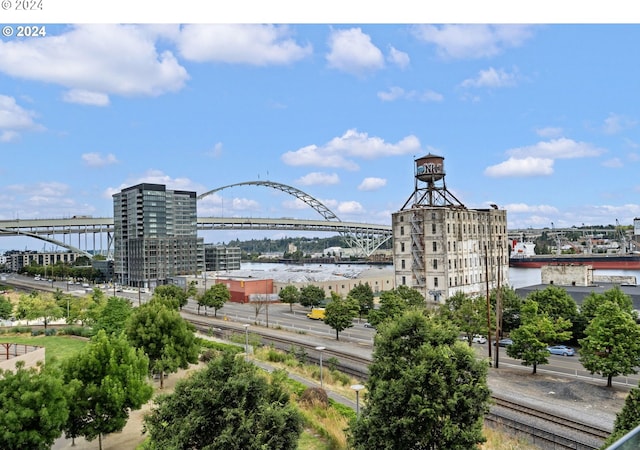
[505, 342]
[368, 325]
[476, 339]
[562, 350]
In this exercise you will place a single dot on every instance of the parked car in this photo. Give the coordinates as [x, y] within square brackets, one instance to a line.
[505, 342]
[477, 339]
[368, 325]
[562, 350]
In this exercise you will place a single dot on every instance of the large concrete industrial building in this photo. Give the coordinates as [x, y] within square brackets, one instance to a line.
[155, 235]
[441, 247]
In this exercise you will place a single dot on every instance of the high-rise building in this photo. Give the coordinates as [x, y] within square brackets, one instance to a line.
[155, 235]
[222, 258]
[441, 247]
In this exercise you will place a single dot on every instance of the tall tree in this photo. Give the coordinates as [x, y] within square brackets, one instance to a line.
[468, 313]
[535, 334]
[172, 292]
[555, 302]
[311, 295]
[612, 343]
[411, 296]
[290, 294]
[391, 306]
[165, 337]
[363, 294]
[426, 390]
[113, 317]
[228, 405]
[111, 379]
[627, 419]
[33, 408]
[215, 297]
[6, 308]
[340, 313]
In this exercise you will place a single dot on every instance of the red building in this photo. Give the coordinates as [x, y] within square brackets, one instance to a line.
[244, 290]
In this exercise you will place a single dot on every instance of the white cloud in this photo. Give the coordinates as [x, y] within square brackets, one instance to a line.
[491, 78]
[538, 159]
[519, 167]
[318, 178]
[95, 61]
[521, 208]
[562, 148]
[616, 123]
[86, 98]
[216, 151]
[396, 93]
[352, 51]
[97, 160]
[398, 58]
[158, 177]
[258, 45]
[372, 184]
[340, 151]
[14, 118]
[473, 41]
[350, 207]
[549, 132]
[613, 163]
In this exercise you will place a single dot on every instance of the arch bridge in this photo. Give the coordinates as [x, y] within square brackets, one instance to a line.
[98, 231]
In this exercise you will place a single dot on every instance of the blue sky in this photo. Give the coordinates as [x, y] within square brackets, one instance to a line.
[541, 120]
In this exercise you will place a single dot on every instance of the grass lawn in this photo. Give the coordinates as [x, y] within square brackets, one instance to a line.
[57, 347]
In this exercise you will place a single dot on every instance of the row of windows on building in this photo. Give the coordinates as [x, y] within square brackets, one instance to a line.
[453, 281]
[464, 215]
[497, 229]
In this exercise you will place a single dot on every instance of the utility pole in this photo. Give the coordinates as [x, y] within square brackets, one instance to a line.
[498, 305]
[486, 279]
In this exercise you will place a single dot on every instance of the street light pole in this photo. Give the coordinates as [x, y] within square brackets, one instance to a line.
[246, 338]
[320, 349]
[357, 388]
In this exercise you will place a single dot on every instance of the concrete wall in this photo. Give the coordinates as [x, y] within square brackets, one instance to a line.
[567, 275]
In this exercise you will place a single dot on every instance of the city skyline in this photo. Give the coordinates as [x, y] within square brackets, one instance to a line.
[541, 120]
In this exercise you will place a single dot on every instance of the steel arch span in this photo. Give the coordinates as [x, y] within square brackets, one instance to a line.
[367, 243]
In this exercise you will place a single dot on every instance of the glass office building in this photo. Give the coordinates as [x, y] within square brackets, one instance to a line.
[155, 235]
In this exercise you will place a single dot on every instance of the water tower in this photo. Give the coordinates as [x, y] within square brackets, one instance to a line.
[429, 185]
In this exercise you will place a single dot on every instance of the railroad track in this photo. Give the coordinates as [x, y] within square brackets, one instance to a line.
[543, 428]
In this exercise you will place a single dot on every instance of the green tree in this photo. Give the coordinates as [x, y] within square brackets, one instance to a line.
[33, 408]
[535, 334]
[555, 302]
[290, 294]
[311, 296]
[215, 297]
[511, 304]
[391, 306]
[172, 292]
[166, 338]
[114, 315]
[340, 313]
[468, 313]
[109, 379]
[363, 294]
[228, 405]
[426, 390]
[411, 296]
[6, 308]
[627, 419]
[612, 343]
